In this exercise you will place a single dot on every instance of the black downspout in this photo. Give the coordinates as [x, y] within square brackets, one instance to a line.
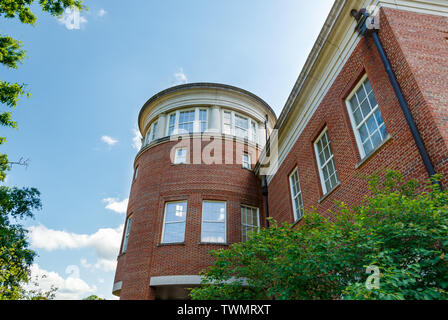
[361, 16]
[264, 189]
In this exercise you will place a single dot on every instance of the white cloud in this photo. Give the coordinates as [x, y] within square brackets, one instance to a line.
[109, 140]
[180, 77]
[116, 205]
[137, 139]
[72, 19]
[70, 288]
[102, 12]
[105, 242]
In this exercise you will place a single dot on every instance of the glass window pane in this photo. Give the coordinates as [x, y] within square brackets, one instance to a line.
[214, 211]
[378, 117]
[367, 85]
[372, 100]
[174, 232]
[358, 116]
[361, 94]
[365, 107]
[371, 124]
[368, 147]
[364, 134]
[175, 212]
[376, 139]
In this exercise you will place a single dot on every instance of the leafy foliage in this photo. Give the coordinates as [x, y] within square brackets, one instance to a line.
[15, 203]
[397, 229]
[15, 257]
[93, 297]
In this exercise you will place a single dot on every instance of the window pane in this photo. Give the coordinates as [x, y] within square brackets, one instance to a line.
[364, 134]
[361, 94]
[371, 124]
[365, 107]
[174, 232]
[172, 123]
[214, 211]
[175, 212]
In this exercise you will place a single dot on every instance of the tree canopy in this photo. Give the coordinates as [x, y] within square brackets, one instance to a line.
[18, 203]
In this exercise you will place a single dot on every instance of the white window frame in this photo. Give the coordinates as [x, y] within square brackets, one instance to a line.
[127, 232]
[248, 164]
[177, 160]
[252, 131]
[214, 221]
[356, 127]
[196, 122]
[249, 225]
[320, 166]
[165, 223]
[294, 196]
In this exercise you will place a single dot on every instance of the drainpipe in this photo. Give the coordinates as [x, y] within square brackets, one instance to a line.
[264, 189]
[362, 17]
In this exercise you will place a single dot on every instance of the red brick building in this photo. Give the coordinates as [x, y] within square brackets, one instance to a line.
[346, 117]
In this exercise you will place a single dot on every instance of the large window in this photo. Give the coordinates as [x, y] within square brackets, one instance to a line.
[213, 222]
[193, 120]
[365, 115]
[239, 125]
[174, 222]
[126, 234]
[296, 195]
[325, 162]
[249, 221]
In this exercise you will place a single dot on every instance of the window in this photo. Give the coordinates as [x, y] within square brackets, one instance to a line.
[249, 221]
[186, 121]
[180, 156]
[254, 131]
[241, 127]
[238, 125]
[203, 123]
[171, 124]
[154, 131]
[296, 195]
[126, 234]
[174, 222]
[213, 222]
[325, 162]
[227, 122]
[365, 115]
[246, 161]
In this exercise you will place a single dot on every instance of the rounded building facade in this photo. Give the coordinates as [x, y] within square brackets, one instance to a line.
[194, 188]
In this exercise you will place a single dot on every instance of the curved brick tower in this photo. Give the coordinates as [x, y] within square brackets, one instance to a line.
[193, 188]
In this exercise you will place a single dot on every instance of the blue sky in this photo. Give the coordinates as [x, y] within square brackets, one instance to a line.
[79, 127]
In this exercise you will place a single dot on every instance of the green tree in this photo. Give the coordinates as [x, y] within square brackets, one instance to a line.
[400, 231]
[15, 203]
[93, 297]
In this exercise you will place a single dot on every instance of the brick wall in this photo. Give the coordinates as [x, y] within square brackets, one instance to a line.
[416, 45]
